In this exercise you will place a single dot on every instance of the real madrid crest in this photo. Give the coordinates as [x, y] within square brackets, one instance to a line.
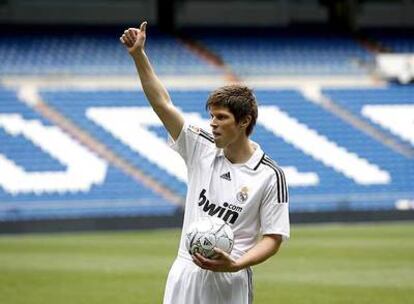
[242, 195]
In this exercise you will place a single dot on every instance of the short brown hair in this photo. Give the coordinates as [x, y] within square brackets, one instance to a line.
[240, 101]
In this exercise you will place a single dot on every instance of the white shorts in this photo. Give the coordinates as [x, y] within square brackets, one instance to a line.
[189, 284]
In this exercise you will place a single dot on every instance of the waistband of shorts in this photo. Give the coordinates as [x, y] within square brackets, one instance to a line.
[185, 259]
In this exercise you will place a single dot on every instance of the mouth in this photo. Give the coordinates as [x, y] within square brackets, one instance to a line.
[216, 134]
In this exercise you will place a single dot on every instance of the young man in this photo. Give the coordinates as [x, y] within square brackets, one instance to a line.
[230, 177]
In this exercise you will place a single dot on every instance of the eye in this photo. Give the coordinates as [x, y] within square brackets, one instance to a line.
[218, 116]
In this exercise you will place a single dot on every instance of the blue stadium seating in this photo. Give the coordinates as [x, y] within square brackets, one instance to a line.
[279, 52]
[354, 99]
[248, 53]
[343, 190]
[73, 104]
[118, 195]
[334, 191]
[394, 40]
[93, 53]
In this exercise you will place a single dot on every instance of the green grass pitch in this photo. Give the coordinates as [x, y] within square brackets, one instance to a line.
[358, 263]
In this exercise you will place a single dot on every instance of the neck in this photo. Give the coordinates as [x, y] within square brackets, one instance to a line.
[239, 151]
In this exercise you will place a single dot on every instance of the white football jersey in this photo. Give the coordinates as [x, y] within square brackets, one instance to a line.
[251, 197]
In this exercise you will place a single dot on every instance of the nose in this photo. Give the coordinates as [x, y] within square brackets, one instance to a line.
[213, 123]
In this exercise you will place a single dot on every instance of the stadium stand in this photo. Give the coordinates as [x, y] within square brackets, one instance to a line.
[43, 182]
[396, 41]
[247, 52]
[352, 193]
[284, 52]
[397, 98]
[74, 105]
[331, 165]
[91, 52]
[373, 193]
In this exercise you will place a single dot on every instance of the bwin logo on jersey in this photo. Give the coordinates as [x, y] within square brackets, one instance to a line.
[228, 212]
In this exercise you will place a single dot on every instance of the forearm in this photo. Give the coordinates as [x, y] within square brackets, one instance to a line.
[157, 95]
[153, 88]
[263, 250]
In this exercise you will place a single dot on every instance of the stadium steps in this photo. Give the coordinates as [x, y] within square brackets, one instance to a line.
[100, 149]
[204, 53]
[372, 45]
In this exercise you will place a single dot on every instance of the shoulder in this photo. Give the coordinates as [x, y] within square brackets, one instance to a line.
[201, 133]
[277, 178]
[269, 165]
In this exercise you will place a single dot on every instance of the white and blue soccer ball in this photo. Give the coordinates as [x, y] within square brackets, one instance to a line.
[207, 233]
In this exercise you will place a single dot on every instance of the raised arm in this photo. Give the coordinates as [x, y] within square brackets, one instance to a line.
[134, 41]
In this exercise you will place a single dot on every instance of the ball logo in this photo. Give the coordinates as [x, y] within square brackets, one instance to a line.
[242, 195]
[208, 241]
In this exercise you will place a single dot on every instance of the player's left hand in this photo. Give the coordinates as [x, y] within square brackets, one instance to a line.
[222, 262]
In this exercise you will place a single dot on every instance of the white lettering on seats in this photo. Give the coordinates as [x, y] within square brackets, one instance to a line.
[321, 148]
[84, 168]
[398, 119]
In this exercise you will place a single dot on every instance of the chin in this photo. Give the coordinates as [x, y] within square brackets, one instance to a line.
[219, 144]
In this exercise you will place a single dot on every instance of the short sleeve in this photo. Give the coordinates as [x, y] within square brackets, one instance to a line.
[191, 143]
[274, 212]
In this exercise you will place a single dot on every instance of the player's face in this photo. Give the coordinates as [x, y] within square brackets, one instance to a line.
[224, 126]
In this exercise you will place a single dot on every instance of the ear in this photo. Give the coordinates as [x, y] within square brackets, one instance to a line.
[245, 121]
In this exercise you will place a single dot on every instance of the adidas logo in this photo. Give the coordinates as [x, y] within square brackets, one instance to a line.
[226, 176]
[207, 242]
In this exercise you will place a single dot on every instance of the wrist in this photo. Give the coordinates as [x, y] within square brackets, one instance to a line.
[137, 53]
[237, 266]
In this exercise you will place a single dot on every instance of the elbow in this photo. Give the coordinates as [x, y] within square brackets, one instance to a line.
[274, 240]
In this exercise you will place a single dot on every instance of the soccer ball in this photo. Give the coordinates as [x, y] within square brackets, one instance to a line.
[207, 233]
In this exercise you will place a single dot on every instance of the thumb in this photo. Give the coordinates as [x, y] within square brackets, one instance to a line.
[143, 26]
[219, 251]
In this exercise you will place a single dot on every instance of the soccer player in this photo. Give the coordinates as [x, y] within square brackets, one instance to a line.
[229, 176]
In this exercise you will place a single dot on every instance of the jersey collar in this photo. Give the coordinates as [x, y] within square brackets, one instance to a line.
[254, 160]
